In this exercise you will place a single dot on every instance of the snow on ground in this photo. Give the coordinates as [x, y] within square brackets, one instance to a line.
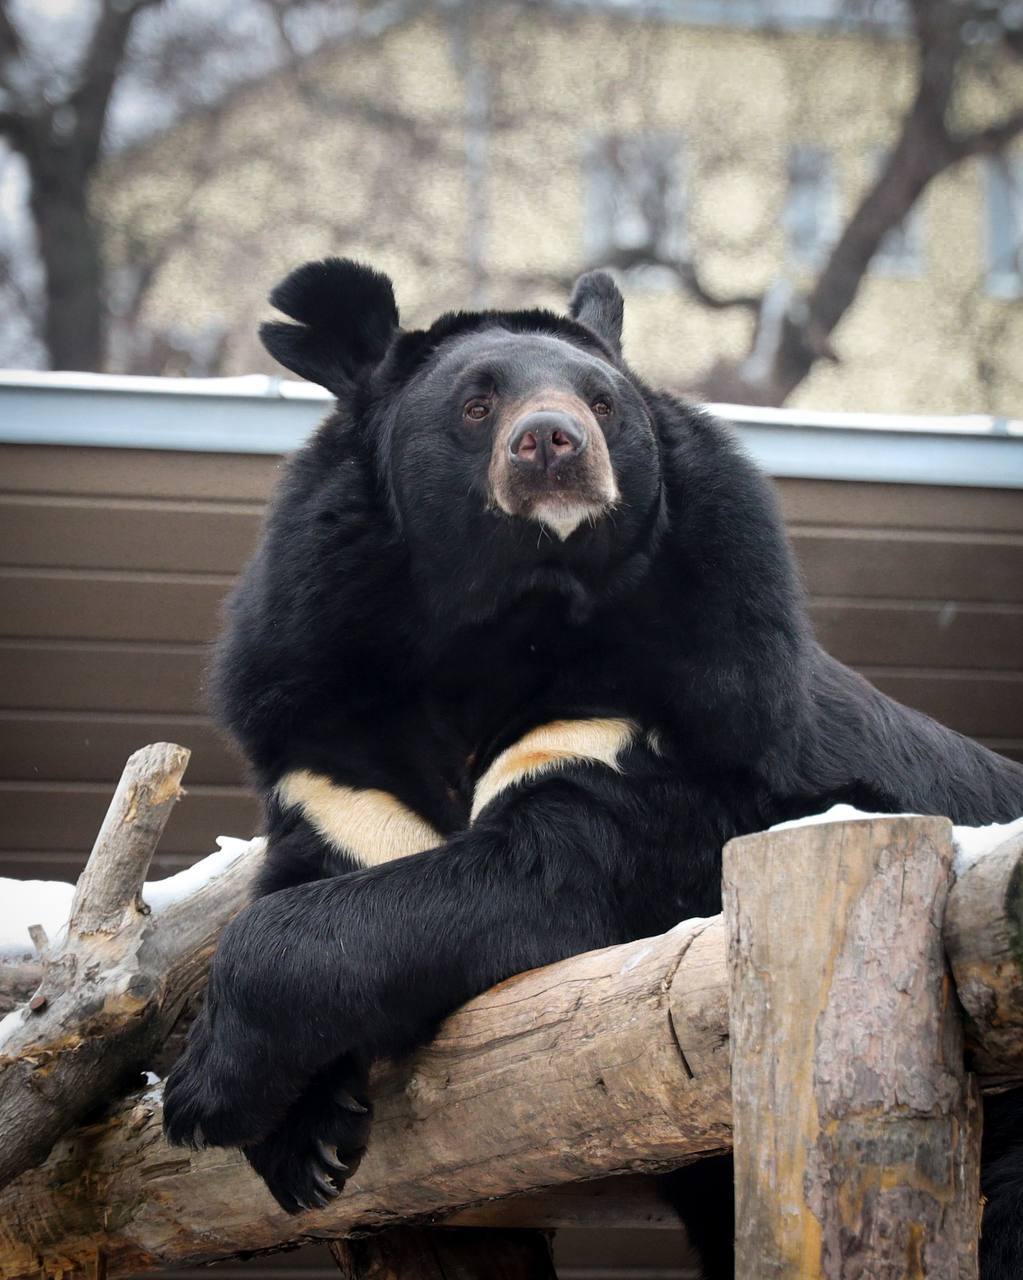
[27, 902]
[971, 842]
[24, 903]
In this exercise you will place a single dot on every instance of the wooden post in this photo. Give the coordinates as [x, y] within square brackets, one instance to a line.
[438, 1253]
[857, 1130]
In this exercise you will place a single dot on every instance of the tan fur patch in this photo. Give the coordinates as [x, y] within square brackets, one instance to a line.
[552, 746]
[372, 826]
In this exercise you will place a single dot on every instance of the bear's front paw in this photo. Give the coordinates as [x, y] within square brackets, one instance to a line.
[306, 1161]
[217, 1098]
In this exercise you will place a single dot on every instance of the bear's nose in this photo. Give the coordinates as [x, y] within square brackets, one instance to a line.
[542, 441]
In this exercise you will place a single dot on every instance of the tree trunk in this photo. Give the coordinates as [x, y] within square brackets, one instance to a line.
[857, 1128]
[74, 314]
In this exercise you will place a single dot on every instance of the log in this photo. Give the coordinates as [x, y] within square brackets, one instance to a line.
[984, 937]
[481, 1125]
[112, 987]
[857, 1129]
[607, 1063]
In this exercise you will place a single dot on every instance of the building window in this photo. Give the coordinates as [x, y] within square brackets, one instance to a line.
[1005, 226]
[811, 206]
[635, 203]
[901, 250]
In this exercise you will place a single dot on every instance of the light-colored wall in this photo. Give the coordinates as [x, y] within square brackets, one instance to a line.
[318, 164]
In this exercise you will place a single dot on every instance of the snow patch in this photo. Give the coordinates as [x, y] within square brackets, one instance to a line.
[971, 843]
[24, 903]
[158, 895]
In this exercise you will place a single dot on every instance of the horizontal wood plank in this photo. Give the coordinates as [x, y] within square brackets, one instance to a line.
[83, 747]
[900, 506]
[83, 605]
[910, 566]
[169, 679]
[156, 473]
[96, 533]
[919, 633]
[90, 606]
[101, 677]
[981, 705]
[153, 550]
[250, 477]
[61, 815]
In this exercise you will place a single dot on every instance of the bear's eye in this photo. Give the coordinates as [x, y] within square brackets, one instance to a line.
[601, 407]
[476, 410]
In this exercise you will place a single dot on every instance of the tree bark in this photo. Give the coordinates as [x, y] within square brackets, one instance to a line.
[857, 1129]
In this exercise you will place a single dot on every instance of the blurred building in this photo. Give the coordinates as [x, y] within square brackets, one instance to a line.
[486, 153]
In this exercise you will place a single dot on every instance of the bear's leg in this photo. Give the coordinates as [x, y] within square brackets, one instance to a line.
[369, 963]
[702, 1195]
[1001, 1182]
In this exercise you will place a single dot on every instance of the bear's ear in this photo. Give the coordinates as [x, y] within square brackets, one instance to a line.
[598, 304]
[347, 317]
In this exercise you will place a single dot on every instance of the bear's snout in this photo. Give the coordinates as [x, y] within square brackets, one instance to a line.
[545, 441]
[550, 463]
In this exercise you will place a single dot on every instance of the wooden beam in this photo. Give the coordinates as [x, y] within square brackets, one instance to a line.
[857, 1129]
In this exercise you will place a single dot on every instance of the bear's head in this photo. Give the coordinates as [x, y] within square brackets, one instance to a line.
[515, 447]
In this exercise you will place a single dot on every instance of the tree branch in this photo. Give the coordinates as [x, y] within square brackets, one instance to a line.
[989, 140]
[100, 69]
[111, 884]
[687, 274]
[113, 987]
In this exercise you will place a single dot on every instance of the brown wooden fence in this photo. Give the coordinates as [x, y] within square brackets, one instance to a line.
[114, 563]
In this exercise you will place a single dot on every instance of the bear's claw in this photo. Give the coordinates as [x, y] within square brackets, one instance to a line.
[306, 1161]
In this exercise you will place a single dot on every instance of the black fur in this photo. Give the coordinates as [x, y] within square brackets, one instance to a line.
[347, 317]
[395, 631]
[597, 303]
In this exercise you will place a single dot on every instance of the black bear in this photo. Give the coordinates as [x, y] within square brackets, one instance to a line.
[521, 647]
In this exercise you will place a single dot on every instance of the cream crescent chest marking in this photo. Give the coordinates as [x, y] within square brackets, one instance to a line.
[372, 826]
[550, 747]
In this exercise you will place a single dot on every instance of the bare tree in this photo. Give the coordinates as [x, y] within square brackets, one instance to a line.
[791, 330]
[77, 86]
